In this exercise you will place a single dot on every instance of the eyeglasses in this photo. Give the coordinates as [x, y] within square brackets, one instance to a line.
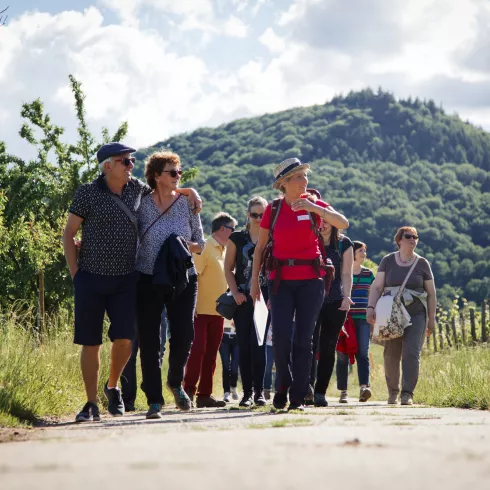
[407, 236]
[232, 228]
[174, 173]
[126, 161]
[256, 215]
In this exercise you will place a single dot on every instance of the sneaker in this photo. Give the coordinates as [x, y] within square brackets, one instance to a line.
[181, 398]
[393, 399]
[280, 400]
[226, 397]
[247, 400]
[154, 411]
[115, 404]
[406, 399]
[89, 413]
[319, 400]
[267, 394]
[259, 399]
[309, 398]
[296, 406]
[343, 397]
[365, 394]
[209, 401]
[234, 393]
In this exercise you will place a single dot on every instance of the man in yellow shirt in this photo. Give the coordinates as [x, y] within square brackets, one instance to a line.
[208, 324]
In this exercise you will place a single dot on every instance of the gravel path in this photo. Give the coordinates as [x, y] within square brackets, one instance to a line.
[368, 446]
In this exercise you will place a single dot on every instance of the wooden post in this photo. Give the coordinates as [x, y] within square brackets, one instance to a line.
[455, 333]
[448, 335]
[41, 306]
[473, 324]
[484, 321]
[462, 324]
[441, 336]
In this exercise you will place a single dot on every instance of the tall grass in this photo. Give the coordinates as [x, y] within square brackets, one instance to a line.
[43, 380]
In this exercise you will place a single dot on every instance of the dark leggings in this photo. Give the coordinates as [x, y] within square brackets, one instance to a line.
[330, 323]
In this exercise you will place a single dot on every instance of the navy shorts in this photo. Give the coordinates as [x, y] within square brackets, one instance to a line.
[95, 295]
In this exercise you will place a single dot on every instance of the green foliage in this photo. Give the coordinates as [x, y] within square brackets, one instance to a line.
[381, 161]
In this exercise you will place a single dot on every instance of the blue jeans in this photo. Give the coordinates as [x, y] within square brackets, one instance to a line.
[269, 363]
[229, 352]
[363, 332]
[293, 359]
[128, 380]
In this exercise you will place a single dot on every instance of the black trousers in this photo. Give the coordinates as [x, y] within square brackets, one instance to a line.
[330, 322]
[180, 313]
[252, 355]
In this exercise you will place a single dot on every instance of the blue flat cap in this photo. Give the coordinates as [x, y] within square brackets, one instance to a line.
[112, 149]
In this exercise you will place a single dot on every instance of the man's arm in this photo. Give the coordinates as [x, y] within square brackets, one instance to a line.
[193, 197]
[72, 226]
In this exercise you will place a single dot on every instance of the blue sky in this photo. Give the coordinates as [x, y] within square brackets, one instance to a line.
[169, 66]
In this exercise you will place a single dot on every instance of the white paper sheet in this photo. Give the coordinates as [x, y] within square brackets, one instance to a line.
[260, 319]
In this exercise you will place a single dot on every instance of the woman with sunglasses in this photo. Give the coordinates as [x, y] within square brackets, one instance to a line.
[238, 273]
[419, 298]
[162, 213]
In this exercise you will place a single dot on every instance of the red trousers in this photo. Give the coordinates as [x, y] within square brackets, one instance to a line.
[208, 332]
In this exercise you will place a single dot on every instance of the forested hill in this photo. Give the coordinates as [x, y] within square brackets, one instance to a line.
[383, 162]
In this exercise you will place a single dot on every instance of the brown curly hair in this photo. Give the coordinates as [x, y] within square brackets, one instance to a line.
[156, 162]
[399, 234]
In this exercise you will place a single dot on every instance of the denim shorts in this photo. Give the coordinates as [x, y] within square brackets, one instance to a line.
[96, 295]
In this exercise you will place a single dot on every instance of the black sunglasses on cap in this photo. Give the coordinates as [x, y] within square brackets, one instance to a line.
[407, 236]
[256, 215]
[174, 173]
[126, 161]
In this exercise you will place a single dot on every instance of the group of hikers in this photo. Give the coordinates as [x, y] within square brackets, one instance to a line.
[143, 260]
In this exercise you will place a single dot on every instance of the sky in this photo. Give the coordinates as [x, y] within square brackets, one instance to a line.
[171, 66]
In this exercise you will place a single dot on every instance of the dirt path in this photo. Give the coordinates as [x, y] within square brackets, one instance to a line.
[363, 446]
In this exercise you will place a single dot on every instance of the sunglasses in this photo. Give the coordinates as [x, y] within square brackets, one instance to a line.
[407, 236]
[174, 173]
[232, 228]
[256, 215]
[127, 161]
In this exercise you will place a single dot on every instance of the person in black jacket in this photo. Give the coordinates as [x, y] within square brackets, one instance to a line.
[167, 228]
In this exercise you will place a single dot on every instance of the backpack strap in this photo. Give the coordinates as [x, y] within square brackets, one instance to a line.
[275, 208]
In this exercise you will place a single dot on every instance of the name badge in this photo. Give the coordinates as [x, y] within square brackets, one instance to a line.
[303, 217]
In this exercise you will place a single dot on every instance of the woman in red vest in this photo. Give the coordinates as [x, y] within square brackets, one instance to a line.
[296, 286]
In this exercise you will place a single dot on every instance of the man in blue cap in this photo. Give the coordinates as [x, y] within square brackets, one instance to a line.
[103, 270]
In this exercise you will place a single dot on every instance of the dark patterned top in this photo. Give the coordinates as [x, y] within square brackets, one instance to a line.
[333, 253]
[109, 238]
[179, 220]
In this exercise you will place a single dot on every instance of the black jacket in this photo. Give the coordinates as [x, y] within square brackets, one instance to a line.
[171, 270]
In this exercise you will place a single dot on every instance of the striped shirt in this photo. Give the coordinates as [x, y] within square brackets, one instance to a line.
[360, 293]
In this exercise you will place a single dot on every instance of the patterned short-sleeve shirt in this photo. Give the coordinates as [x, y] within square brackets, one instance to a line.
[109, 238]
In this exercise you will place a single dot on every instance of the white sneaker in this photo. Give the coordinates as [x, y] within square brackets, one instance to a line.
[234, 393]
[226, 398]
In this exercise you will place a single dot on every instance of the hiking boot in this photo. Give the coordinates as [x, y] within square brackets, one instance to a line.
[280, 400]
[259, 399]
[89, 413]
[226, 397]
[154, 411]
[406, 399]
[209, 401]
[181, 398]
[310, 396]
[115, 404]
[365, 394]
[393, 399]
[247, 400]
[343, 397]
[267, 394]
[319, 400]
[296, 406]
[234, 393]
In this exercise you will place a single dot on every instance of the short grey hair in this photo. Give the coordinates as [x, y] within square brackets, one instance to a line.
[101, 165]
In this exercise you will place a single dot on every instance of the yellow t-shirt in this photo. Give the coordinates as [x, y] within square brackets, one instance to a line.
[210, 266]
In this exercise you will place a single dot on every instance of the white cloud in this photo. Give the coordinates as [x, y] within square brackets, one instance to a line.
[274, 43]
[235, 27]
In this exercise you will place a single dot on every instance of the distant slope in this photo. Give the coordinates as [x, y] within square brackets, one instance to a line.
[382, 162]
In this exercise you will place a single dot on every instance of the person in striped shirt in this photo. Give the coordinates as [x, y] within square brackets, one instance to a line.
[361, 282]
